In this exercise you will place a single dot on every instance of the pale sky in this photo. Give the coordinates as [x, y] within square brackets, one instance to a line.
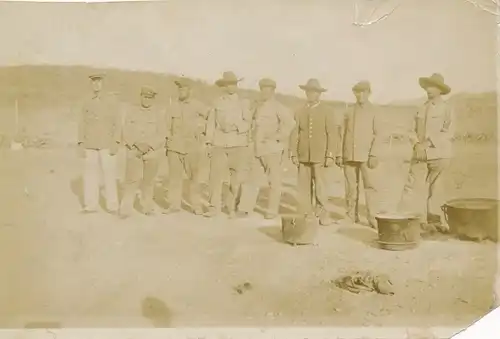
[288, 40]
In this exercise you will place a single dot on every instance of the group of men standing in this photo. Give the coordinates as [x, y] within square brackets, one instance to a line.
[241, 137]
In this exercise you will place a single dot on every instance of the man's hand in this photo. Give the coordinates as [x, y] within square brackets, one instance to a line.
[419, 152]
[339, 162]
[113, 150]
[372, 162]
[208, 149]
[295, 161]
[80, 151]
[143, 147]
[329, 162]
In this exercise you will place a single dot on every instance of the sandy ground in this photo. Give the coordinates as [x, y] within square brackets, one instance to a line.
[60, 268]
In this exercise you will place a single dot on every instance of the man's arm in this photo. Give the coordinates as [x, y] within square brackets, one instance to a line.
[341, 123]
[286, 123]
[332, 135]
[294, 137]
[158, 140]
[210, 127]
[81, 125]
[168, 123]
[245, 124]
[376, 137]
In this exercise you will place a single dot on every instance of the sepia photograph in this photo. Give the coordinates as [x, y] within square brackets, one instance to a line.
[248, 163]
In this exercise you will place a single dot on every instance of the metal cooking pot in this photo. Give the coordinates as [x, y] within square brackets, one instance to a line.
[397, 232]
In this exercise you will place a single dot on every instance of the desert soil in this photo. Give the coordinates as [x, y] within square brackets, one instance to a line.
[61, 268]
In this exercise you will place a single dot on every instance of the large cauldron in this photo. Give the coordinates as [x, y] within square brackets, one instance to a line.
[474, 218]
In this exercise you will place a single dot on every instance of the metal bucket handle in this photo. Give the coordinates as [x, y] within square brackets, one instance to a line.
[444, 208]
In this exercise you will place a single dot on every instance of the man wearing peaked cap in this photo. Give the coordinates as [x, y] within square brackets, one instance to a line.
[432, 139]
[143, 136]
[98, 136]
[313, 146]
[359, 151]
[272, 125]
[186, 120]
[227, 137]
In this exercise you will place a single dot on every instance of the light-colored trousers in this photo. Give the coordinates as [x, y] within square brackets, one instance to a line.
[223, 158]
[311, 185]
[140, 171]
[97, 162]
[178, 164]
[425, 179]
[271, 164]
[353, 172]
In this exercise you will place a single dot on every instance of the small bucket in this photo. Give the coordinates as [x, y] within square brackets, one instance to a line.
[299, 229]
[473, 218]
[398, 232]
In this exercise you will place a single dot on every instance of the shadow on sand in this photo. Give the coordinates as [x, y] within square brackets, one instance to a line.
[157, 312]
[365, 235]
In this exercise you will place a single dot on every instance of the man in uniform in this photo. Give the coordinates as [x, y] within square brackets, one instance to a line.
[313, 146]
[144, 138]
[432, 141]
[272, 125]
[359, 152]
[98, 136]
[186, 119]
[227, 137]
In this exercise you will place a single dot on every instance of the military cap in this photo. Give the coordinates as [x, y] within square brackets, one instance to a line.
[96, 76]
[183, 82]
[148, 92]
[266, 82]
[362, 86]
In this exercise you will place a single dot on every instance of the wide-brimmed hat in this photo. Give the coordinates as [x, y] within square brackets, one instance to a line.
[267, 82]
[227, 79]
[148, 92]
[362, 86]
[183, 82]
[435, 80]
[313, 85]
[97, 76]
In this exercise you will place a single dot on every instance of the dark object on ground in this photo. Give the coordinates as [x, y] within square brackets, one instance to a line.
[242, 288]
[473, 219]
[398, 232]
[157, 311]
[365, 281]
[299, 229]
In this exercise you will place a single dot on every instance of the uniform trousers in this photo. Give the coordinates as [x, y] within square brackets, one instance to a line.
[353, 172]
[223, 158]
[190, 164]
[99, 161]
[425, 179]
[313, 195]
[140, 172]
[271, 165]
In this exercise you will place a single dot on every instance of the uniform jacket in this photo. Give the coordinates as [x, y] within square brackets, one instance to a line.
[185, 125]
[361, 133]
[316, 135]
[272, 124]
[144, 125]
[434, 122]
[99, 122]
[229, 122]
